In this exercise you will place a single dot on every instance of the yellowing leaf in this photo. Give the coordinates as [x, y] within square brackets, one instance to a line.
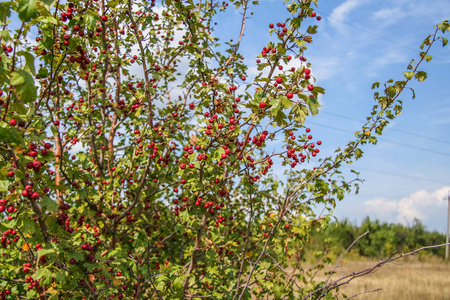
[19, 150]
[116, 281]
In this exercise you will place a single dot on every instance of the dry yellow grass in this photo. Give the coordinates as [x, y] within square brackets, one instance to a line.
[404, 279]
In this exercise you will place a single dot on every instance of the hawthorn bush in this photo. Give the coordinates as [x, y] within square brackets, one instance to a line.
[136, 157]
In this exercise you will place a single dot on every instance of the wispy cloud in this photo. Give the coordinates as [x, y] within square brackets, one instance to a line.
[341, 13]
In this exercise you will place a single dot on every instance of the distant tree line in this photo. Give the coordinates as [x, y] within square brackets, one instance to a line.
[384, 239]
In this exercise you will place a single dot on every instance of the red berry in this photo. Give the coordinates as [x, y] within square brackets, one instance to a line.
[289, 95]
[37, 164]
[310, 87]
[262, 105]
[13, 122]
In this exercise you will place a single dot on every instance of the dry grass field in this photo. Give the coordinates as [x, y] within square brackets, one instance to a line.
[404, 279]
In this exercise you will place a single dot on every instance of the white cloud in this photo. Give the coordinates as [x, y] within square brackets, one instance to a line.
[326, 67]
[341, 13]
[422, 205]
[382, 207]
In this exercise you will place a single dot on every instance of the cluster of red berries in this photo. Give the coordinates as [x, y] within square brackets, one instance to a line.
[307, 145]
[10, 232]
[259, 140]
[68, 14]
[4, 293]
[314, 15]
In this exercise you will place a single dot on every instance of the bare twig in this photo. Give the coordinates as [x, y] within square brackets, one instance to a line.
[346, 279]
[340, 259]
[281, 268]
[365, 292]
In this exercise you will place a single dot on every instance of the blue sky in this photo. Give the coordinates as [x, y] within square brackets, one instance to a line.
[359, 42]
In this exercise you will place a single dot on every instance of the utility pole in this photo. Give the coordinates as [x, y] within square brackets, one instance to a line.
[448, 227]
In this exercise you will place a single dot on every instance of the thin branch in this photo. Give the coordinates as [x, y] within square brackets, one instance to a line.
[366, 291]
[281, 268]
[340, 259]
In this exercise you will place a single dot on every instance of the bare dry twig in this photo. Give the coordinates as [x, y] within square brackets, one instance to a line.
[347, 278]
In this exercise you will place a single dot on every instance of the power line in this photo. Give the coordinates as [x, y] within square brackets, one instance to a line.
[390, 129]
[402, 175]
[384, 140]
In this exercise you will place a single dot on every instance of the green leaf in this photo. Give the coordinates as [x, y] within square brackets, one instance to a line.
[49, 204]
[276, 106]
[313, 105]
[3, 76]
[52, 294]
[421, 76]
[29, 61]
[178, 283]
[408, 74]
[77, 256]
[30, 112]
[91, 21]
[375, 85]
[4, 185]
[312, 29]
[44, 274]
[29, 226]
[428, 57]
[444, 26]
[10, 135]
[25, 88]
[113, 3]
[27, 10]
[48, 3]
[5, 11]
[300, 112]
[17, 78]
[285, 101]
[46, 251]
